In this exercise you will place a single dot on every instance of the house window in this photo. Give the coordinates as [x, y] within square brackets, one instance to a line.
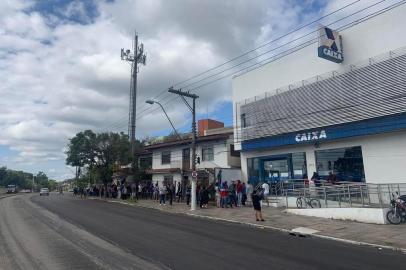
[145, 163]
[207, 153]
[243, 121]
[234, 153]
[168, 180]
[166, 157]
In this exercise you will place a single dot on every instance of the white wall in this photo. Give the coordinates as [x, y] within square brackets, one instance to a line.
[176, 158]
[365, 215]
[220, 152]
[368, 39]
[373, 37]
[160, 178]
[384, 155]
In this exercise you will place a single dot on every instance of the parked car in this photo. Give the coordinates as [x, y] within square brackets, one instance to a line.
[11, 189]
[44, 191]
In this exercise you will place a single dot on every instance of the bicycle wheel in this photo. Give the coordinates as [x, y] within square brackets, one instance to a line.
[393, 217]
[299, 202]
[315, 203]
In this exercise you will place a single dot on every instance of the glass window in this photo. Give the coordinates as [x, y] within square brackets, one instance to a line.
[207, 153]
[253, 170]
[243, 121]
[145, 163]
[166, 157]
[299, 165]
[344, 164]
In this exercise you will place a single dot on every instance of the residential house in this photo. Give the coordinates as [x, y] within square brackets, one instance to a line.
[171, 161]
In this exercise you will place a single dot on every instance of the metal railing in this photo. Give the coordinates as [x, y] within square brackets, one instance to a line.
[338, 195]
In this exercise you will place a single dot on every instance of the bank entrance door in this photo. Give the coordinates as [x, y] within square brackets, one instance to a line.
[276, 170]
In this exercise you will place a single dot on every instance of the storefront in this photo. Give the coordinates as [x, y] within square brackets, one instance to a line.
[336, 107]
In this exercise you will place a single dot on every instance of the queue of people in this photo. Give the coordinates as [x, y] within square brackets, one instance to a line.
[235, 194]
[226, 195]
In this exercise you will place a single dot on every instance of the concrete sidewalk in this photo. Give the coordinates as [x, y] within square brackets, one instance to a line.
[381, 236]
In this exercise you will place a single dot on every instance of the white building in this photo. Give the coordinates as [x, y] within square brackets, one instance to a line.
[301, 114]
[172, 160]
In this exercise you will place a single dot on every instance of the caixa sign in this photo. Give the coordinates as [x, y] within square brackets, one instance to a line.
[311, 136]
[330, 45]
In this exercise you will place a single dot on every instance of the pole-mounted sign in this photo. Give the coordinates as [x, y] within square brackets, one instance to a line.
[330, 45]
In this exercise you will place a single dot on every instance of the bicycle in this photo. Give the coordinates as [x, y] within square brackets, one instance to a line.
[311, 202]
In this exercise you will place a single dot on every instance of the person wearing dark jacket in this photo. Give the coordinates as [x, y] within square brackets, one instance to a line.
[204, 197]
[257, 196]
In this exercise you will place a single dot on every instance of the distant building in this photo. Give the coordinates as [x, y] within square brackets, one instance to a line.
[171, 161]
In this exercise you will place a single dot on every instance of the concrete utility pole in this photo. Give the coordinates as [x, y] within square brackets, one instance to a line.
[136, 57]
[193, 110]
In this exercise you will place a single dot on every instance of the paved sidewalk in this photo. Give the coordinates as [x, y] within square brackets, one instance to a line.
[385, 236]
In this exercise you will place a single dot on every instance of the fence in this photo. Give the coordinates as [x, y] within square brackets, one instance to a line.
[305, 194]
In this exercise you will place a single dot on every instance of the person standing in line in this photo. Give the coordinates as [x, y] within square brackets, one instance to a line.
[156, 192]
[217, 194]
[223, 195]
[257, 196]
[133, 185]
[179, 192]
[265, 192]
[162, 194]
[244, 194]
[198, 188]
[188, 194]
[204, 197]
[171, 193]
[250, 189]
[239, 188]
[231, 194]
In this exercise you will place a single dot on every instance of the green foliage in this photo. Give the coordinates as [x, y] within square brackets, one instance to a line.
[99, 154]
[23, 180]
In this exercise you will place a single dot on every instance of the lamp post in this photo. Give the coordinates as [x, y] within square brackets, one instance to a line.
[150, 101]
[192, 109]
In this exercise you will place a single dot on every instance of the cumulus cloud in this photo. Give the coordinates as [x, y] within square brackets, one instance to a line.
[61, 70]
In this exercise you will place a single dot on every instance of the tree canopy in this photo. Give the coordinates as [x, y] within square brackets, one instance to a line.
[99, 153]
[23, 180]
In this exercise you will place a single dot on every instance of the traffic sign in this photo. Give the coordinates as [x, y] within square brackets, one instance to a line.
[194, 174]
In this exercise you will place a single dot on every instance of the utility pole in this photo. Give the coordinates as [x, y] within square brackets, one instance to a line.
[193, 110]
[136, 57]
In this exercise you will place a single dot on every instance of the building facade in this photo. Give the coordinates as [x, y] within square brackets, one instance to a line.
[301, 114]
[171, 162]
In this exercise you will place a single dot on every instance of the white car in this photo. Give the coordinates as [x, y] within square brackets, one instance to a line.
[44, 191]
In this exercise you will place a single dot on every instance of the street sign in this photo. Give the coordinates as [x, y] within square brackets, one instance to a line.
[194, 174]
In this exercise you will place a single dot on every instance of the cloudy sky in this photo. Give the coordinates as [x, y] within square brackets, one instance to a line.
[61, 72]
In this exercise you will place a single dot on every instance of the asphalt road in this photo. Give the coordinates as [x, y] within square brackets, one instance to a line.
[61, 232]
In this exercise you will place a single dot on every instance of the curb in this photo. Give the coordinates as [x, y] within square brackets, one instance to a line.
[320, 236]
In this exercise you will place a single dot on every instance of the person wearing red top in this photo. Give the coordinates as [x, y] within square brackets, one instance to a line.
[239, 189]
[223, 194]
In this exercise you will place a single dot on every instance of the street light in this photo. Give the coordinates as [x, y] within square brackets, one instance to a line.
[150, 101]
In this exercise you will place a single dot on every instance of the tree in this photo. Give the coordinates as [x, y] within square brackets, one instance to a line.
[111, 149]
[99, 153]
[3, 174]
[81, 150]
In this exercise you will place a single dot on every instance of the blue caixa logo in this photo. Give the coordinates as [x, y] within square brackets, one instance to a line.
[330, 45]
